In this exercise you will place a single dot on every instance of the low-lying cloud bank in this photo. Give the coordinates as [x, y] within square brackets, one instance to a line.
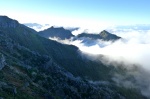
[132, 50]
[134, 47]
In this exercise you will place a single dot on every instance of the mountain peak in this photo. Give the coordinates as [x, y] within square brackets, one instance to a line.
[52, 27]
[104, 33]
[108, 36]
[6, 22]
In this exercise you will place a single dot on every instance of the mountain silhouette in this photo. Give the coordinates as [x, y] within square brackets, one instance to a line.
[104, 35]
[59, 32]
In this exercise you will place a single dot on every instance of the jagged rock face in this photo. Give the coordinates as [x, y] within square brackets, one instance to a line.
[2, 61]
[5, 22]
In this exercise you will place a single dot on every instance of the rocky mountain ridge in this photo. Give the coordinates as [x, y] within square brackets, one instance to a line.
[59, 32]
[103, 35]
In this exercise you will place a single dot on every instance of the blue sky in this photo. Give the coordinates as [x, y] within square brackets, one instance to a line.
[78, 12]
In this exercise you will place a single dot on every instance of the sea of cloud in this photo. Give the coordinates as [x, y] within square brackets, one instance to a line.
[132, 50]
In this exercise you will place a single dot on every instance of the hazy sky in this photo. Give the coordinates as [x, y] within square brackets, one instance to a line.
[78, 12]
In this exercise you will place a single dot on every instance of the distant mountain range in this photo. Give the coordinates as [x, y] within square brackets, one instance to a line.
[127, 28]
[31, 25]
[135, 27]
[34, 67]
[36, 26]
[62, 33]
[41, 27]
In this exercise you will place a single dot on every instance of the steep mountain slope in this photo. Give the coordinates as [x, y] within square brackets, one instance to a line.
[56, 32]
[104, 35]
[66, 56]
[34, 67]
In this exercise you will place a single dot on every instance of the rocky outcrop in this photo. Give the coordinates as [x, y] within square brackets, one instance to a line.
[2, 61]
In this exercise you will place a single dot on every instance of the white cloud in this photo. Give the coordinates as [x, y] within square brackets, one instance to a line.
[132, 50]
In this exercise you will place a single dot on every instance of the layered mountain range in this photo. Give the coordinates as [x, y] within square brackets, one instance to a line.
[34, 67]
[62, 33]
